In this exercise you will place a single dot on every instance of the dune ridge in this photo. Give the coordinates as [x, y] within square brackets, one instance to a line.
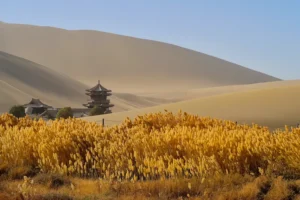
[127, 64]
[189, 94]
[143, 75]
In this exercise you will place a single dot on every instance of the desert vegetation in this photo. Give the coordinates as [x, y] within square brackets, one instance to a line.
[17, 111]
[154, 156]
[65, 113]
[96, 110]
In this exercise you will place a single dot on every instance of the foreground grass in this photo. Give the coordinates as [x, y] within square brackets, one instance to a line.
[156, 156]
[226, 187]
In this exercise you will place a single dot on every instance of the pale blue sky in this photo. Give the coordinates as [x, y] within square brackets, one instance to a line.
[260, 34]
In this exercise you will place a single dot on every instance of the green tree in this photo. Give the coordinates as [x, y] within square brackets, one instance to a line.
[17, 111]
[97, 111]
[65, 113]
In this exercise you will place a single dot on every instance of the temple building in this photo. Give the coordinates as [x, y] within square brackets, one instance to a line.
[35, 107]
[98, 97]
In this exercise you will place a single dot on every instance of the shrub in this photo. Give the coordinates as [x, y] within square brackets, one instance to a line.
[17, 111]
[65, 113]
[53, 181]
[97, 111]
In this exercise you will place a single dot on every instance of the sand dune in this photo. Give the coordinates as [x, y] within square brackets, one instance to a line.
[21, 80]
[162, 73]
[126, 64]
[273, 105]
[189, 94]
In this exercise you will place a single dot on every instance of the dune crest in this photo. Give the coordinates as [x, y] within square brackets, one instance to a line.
[127, 64]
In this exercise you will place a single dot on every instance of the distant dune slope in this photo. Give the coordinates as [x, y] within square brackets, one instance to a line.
[21, 80]
[273, 106]
[181, 95]
[126, 64]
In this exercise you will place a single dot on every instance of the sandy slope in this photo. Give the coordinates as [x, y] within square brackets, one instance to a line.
[126, 64]
[273, 105]
[189, 94]
[21, 80]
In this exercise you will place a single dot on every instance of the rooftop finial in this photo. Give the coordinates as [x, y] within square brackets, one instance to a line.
[98, 81]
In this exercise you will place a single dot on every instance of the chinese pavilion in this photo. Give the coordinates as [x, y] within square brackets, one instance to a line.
[98, 97]
[35, 106]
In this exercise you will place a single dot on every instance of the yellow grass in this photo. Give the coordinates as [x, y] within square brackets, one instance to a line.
[156, 156]
[225, 187]
[153, 146]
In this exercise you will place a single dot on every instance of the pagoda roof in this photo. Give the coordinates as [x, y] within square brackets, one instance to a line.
[36, 103]
[101, 105]
[98, 88]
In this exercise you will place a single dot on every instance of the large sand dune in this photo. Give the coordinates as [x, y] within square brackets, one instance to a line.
[189, 94]
[270, 104]
[21, 80]
[126, 64]
[163, 73]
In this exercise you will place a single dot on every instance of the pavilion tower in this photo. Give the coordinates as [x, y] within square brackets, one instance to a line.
[98, 97]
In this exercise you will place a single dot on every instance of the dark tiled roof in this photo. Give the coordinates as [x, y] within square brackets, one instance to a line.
[98, 88]
[37, 103]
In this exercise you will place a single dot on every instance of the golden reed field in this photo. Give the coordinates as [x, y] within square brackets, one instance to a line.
[154, 156]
